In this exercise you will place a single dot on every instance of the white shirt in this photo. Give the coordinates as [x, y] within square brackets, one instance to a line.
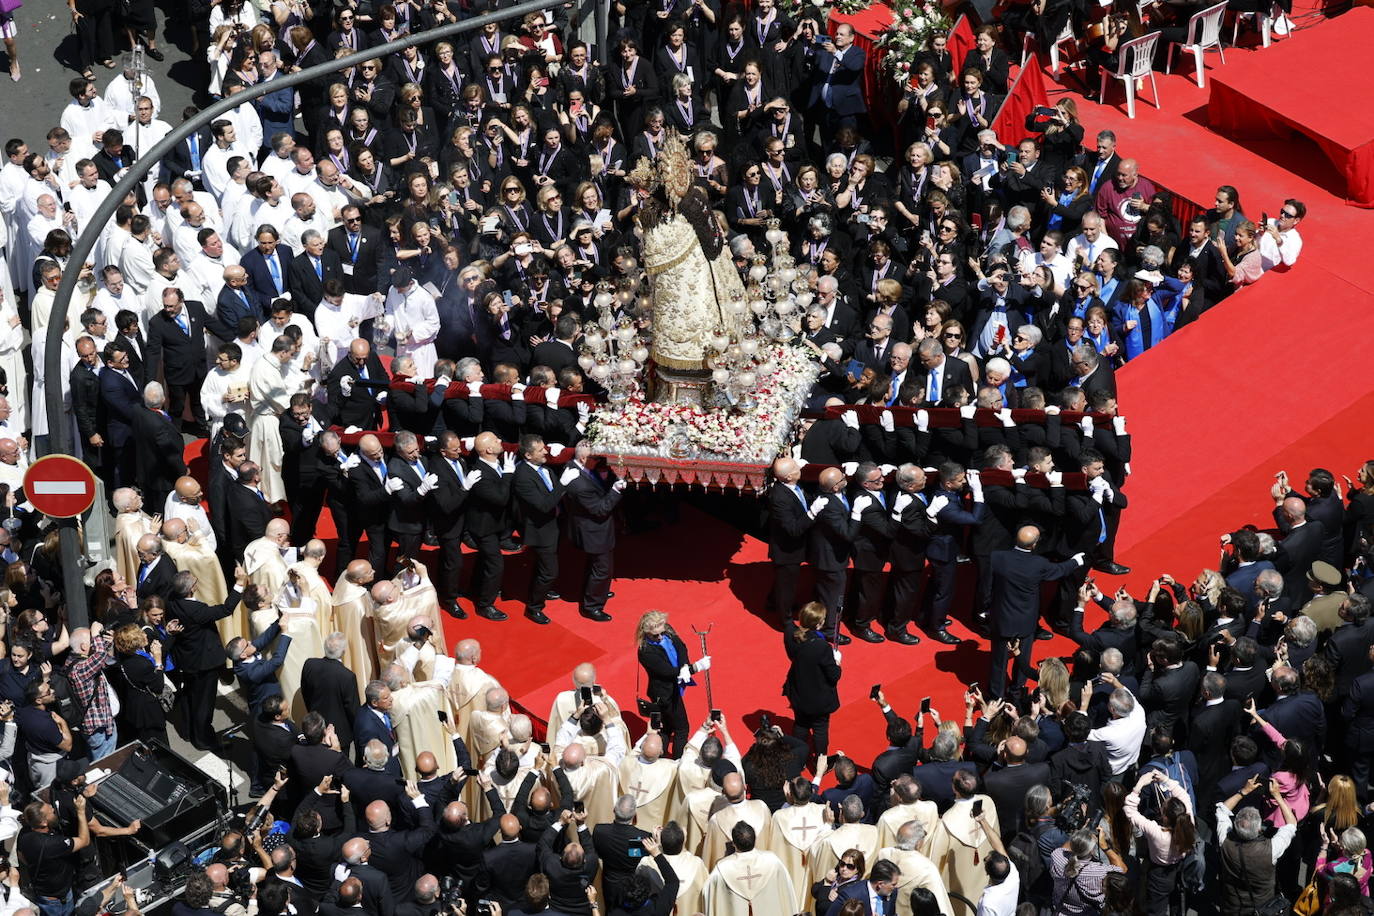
[175, 508]
[120, 94]
[1272, 253]
[1000, 899]
[1080, 247]
[1123, 738]
[338, 327]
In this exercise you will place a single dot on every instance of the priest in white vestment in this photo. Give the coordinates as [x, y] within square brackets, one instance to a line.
[353, 618]
[850, 833]
[271, 382]
[917, 870]
[131, 523]
[749, 882]
[651, 779]
[731, 810]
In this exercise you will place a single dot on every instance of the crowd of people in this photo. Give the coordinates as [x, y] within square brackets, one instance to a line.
[458, 206]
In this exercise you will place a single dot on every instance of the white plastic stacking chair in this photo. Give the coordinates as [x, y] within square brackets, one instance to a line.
[1204, 33]
[1266, 24]
[1135, 61]
[1066, 35]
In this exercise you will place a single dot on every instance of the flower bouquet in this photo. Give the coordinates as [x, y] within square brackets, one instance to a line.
[913, 23]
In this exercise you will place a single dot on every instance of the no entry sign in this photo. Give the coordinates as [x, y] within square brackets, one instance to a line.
[60, 486]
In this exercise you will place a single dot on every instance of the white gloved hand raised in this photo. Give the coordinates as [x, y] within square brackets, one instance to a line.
[569, 475]
[428, 484]
[584, 410]
[861, 502]
[555, 449]
[1051, 410]
[901, 502]
[817, 505]
[684, 674]
[1086, 424]
[850, 418]
[936, 506]
[887, 422]
[474, 389]
[1079, 558]
[1119, 425]
[1056, 478]
[467, 442]
[838, 657]
[351, 462]
[471, 477]
[508, 463]
[393, 484]
[967, 411]
[517, 394]
[1005, 416]
[551, 396]
[346, 385]
[849, 467]
[923, 419]
[619, 486]
[887, 468]
[703, 664]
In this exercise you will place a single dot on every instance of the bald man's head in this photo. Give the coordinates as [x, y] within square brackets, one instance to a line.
[786, 471]
[355, 851]
[584, 675]
[510, 827]
[832, 480]
[359, 572]
[468, 652]
[455, 815]
[1014, 749]
[385, 592]
[488, 445]
[174, 529]
[188, 489]
[426, 764]
[652, 748]
[1027, 536]
[378, 815]
[540, 799]
[574, 755]
[733, 787]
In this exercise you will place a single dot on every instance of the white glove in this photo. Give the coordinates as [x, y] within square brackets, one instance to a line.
[381, 396]
[838, 656]
[429, 483]
[1097, 484]
[1098, 495]
[346, 385]
[968, 410]
[817, 505]
[684, 674]
[1056, 478]
[936, 506]
[1052, 410]
[353, 429]
[351, 462]
[508, 463]
[887, 468]
[1019, 475]
[703, 663]
[1005, 416]
[850, 418]
[393, 484]
[1087, 425]
[975, 486]
[555, 449]
[849, 467]
[569, 475]
[442, 382]
[1119, 425]
[551, 396]
[801, 463]
[900, 503]
[467, 442]
[307, 435]
[861, 503]
[1079, 558]
[886, 420]
[471, 477]
[474, 389]
[619, 485]
[517, 394]
[584, 410]
[922, 419]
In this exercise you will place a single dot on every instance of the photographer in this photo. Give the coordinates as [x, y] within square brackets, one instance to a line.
[47, 859]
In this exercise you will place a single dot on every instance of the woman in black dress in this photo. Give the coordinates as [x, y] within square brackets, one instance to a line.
[665, 661]
[139, 685]
[812, 679]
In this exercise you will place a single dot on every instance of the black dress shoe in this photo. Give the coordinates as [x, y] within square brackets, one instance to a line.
[945, 636]
[553, 596]
[610, 595]
[1112, 569]
[155, 54]
[455, 611]
[510, 546]
[948, 621]
[842, 640]
[492, 613]
[598, 616]
[903, 637]
[867, 634]
[536, 616]
[1043, 634]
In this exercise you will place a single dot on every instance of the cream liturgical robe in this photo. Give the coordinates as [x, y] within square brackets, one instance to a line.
[694, 814]
[266, 568]
[595, 784]
[129, 527]
[421, 600]
[415, 712]
[917, 871]
[653, 786]
[751, 883]
[959, 848]
[467, 693]
[925, 813]
[691, 877]
[565, 704]
[826, 851]
[352, 617]
[487, 729]
[300, 624]
[724, 819]
[270, 385]
[314, 586]
[795, 830]
[210, 585]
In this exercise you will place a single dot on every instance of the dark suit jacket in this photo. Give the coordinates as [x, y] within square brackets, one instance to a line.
[367, 725]
[159, 451]
[363, 277]
[536, 505]
[1209, 738]
[448, 500]
[260, 276]
[177, 162]
[1300, 717]
[661, 687]
[589, 508]
[179, 355]
[831, 537]
[813, 676]
[121, 400]
[86, 406]
[370, 496]
[954, 373]
[487, 500]
[230, 309]
[396, 852]
[248, 517]
[830, 442]
[331, 690]
[360, 407]
[1017, 577]
[1007, 788]
[1294, 556]
[1168, 695]
[407, 506]
[788, 523]
[1358, 711]
[300, 463]
[306, 288]
[612, 842]
[197, 647]
[859, 890]
[846, 97]
[136, 367]
[505, 869]
[158, 580]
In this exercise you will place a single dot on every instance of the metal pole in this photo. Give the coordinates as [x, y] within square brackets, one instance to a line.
[602, 31]
[60, 432]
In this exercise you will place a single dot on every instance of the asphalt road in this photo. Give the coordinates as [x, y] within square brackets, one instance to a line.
[47, 50]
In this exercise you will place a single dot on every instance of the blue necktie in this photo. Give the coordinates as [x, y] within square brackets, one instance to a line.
[844, 502]
[544, 476]
[1102, 522]
[244, 297]
[353, 247]
[194, 140]
[933, 387]
[319, 268]
[420, 469]
[181, 322]
[143, 572]
[801, 497]
[381, 469]
[276, 271]
[878, 495]
[892, 392]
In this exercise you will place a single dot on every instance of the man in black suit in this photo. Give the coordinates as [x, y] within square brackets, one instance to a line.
[377, 899]
[237, 300]
[1215, 723]
[591, 494]
[942, 374]
[199, 654]
[537, 493]
[273, 735]
[1296, 714]
[1119, 632]
[1087, 530]
[409, 483]
[620, 846]
[485, 520]
[300, 466]
[1348, 646]
[570, 871]
[130, 337]
[1358, 711]
[176, 346]
[248, 510]
[1081, 762]
[911, 531]
[268, 264]
[829, 541]
[788, 522]
[446, 521]
[308, 271]
[1299, 549]
[396, 853]
[508, 865]
[1089, 371]
[370, 499]
[329, 688]
[902, 753]
[158, 447]
[89, 413]
[1018, 576]
[357, 246]
[873, 351]
[832, 441]
[354, 385]
[373, 723]
[561, 352]
[156, 571]
[872, 542]
[120, 400]
[184, 159]
[1007, 785]
[1167, 689]
[315, 757]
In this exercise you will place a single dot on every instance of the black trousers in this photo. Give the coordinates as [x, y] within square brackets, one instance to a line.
[177, 395]
[782, 599]
[596, 581]
[997, 677]
[939, 596]
[542, 576]
[450, 569]
[95, 33]
[198, 703]
[486, 576]
[830, 592]
[982, 595]
[408, 544]
[676, 729]
[905, 588]
[868, 596]
[377, 545]
[306, 503]
[816, 728]
[1066, 599]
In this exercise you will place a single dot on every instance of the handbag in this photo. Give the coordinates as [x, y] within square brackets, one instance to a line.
[7, 7]
[1309, 902]
[1276, 905]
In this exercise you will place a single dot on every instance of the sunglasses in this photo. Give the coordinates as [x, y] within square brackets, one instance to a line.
[953, 336]
[511, 190]
[1084, 289]
[1286, 215]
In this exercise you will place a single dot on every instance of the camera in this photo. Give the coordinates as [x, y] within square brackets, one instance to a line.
[1073, 808]
[451, 891]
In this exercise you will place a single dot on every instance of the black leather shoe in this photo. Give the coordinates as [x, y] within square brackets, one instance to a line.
[155, 54]
[456, 611]
[842, 640]
[492, 613]
[1112, 569]
[945, 636]
[598, 616]
[903, 637]
[1043, 634]
[948, 621]
[553, 596]
[510, 546]
[610, 595]
[537, 616]
[867, 634]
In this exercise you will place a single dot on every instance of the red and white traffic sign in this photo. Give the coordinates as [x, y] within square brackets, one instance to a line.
[60, 486]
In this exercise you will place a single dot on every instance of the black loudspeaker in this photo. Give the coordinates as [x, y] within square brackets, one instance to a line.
[172, 860]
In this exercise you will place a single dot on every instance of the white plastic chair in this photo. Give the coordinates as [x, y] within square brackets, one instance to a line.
[1204, 33]
[1266, 20]
[1066, 35]
[1135, 61]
